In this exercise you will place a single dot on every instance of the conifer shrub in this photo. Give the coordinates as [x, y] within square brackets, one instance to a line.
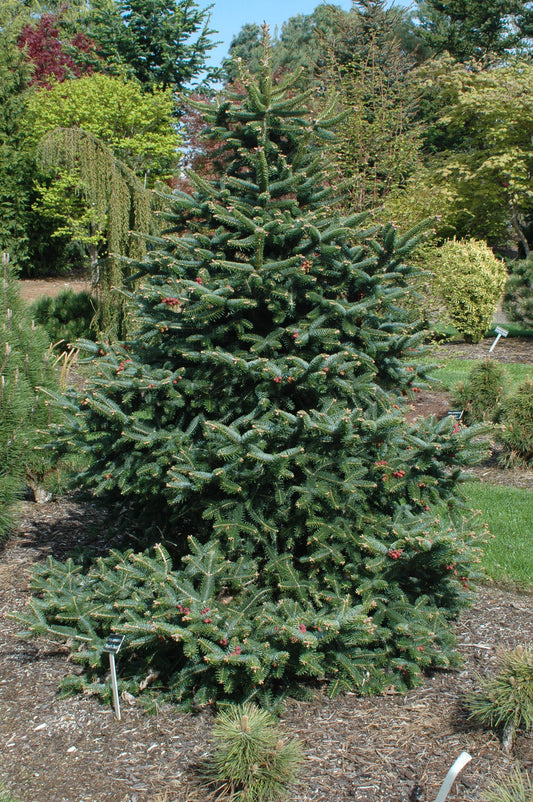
[517, 420]
[481, 395]
[470, 280]
[252, 762]
[504, 702]
[518, 298]
[67, 317]
[25, 413]
[251, 423]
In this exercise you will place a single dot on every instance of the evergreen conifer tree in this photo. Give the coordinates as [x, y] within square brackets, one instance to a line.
[253, 419]
[24, 411]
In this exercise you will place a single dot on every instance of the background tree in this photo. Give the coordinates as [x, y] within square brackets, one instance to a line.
[246, 45]
[15, 159]
[380, 137]
[474, 28]
[51, 57]
[139, 128]
[308, 41]
[485, 129]
[252, 416]
[115, 204]
[133, 141]
[162, 43]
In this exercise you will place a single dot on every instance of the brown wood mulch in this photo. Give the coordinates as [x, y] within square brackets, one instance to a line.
[367, 749]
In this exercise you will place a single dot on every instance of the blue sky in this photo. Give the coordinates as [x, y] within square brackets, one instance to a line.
[228, 16]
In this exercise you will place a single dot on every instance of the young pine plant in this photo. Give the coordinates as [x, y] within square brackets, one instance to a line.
[252, 762]
[517, 788]
[505, 701]
[481, 394]
[517, 417]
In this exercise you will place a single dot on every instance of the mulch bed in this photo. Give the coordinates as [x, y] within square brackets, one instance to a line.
[388, 749]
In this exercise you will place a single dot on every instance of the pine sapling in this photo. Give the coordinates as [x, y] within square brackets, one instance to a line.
[505, 701]
[252, 762]
[517, 788]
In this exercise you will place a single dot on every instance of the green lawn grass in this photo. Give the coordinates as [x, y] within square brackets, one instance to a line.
[508, 511]
[513, 330]
[454, 371]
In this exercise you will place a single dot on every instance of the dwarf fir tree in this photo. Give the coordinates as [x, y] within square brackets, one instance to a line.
[253, 419]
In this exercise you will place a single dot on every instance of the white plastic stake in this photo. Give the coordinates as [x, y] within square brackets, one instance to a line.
[500, 332]
[449, 780]
[113, 668]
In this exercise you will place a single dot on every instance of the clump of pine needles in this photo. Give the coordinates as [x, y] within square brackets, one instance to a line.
[504, 702]
[251, 761]
[516, 788]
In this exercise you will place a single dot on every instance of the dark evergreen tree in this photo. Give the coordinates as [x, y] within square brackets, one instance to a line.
[162, 43]
[474, 28]
[246, 45]
[16, 165]
[25, 368]
[252, 422]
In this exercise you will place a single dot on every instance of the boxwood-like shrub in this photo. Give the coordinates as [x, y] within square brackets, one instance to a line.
[470, 280]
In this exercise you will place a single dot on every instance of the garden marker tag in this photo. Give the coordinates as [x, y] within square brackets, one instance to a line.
[500, 333]
[112, 645]
[455, 413]
[449, 780]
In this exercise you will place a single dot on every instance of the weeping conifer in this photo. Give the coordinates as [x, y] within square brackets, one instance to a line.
[120, 203]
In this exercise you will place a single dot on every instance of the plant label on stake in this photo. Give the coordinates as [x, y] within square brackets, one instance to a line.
[112, 646]
[500, 333]
[455, 413]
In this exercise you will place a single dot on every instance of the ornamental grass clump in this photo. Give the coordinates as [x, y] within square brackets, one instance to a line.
[504, 702]
[252, 762]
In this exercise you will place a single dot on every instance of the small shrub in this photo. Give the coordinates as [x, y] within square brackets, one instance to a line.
[517, 788]
[252, 762]
[470, 280]
[67, 317]
[481, 394]
[505, 701]
[517, 417]
[518, 298]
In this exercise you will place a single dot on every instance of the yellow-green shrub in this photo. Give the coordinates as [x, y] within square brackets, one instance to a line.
[469, 280]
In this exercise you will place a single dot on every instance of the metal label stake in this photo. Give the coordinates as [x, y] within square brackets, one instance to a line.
[449, 780]
[500, 333]
[112, 646]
